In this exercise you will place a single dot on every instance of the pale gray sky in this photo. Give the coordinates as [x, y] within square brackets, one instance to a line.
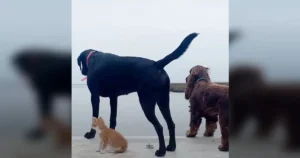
[270, 38]
[153, 29]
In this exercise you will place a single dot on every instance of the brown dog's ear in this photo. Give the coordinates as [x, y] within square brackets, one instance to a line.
[192, 77]
[191, 70]
[194, 72]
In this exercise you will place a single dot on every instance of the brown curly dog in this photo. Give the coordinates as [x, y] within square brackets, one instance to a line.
[208, 100]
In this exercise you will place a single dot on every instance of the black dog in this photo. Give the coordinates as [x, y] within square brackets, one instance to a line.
[109, 75]
[49, 73]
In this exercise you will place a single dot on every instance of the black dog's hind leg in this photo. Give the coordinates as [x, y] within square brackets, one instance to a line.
[113, 112]
[95, 100]
[164, 106]
[45, 112]
[148, 102]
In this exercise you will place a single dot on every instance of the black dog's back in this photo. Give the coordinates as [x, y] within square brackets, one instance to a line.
[123, 75]
[110, 74]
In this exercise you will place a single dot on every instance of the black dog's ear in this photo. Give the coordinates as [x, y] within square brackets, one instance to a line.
[79, 61]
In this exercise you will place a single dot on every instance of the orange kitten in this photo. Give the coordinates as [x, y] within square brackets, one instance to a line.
[109, 137]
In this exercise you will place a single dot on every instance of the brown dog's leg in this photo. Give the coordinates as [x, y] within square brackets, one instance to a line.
[224, 139]
[224, 125]
[194, 126]
[211, 121]
[195, 122]
[195, 118]
[210, 128]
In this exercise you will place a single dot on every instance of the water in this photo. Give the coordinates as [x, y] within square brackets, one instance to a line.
[131, 120]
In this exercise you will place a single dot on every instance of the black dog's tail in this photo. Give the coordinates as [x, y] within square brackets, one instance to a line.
[160, 64]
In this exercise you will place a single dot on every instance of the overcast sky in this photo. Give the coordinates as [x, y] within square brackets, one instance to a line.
[270, 37]
[153, 29]
[32, 23]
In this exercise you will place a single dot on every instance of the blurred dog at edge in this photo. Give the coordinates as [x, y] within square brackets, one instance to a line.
[49, 74]
[269, 103]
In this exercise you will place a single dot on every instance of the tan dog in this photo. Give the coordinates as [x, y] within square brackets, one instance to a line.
[109, 137]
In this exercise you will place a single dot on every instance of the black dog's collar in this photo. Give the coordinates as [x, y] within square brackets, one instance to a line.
[88, 57]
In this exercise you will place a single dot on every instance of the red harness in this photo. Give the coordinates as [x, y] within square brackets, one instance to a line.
[87, 62]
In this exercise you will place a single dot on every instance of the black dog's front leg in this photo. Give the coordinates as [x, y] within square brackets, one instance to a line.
[113, 112]
[95, 100]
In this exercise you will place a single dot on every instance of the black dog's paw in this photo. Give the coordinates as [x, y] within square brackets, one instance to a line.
[91, 134]
[160, 153]
[36, 134]
[171, 147]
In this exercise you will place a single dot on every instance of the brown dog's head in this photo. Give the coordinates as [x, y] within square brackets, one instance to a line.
[198, 72]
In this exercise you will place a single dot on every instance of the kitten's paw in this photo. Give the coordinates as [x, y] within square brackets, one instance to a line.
[102, 152]
[160, 153]
[171, 147]
[91, 134]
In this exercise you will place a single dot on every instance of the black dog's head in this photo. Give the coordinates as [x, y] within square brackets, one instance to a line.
[27, 61]
[81, 61]
[37, 61]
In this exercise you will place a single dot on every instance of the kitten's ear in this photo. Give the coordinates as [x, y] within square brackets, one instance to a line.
[100, 118]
